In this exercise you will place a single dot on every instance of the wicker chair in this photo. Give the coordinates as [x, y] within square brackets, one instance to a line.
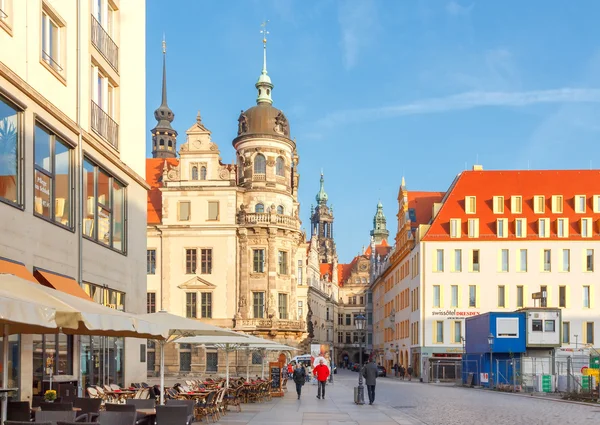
[53, 407]
[189, 404]
[171, 415]
[206, 408]
[18, 411]
[89, 407]
[234, 397]
[26, 423]
[117, 418]
[55, 416]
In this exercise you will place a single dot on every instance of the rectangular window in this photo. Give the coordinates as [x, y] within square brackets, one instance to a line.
[190, 261]
[516, 204]
[501, 228]
[439, 332]
[498, 204]
[439, 260]
[213, 210]
[501, 296]
[191, 306]
[283, 306]
[557, 204]
[521, 227]
[458, 260]
[547, 258]
[206, 261]
[589, 333]
[475, 260]
[348, 338]
[151, 302]
[258, 305]
[300, 277]
[258, 260]
[589, 260]
[537, 325]
[300, 310]
[104, 207]
[340, 337]
[455, 225]
[549, 326]
[504, 260]
[283, 262]
[520, 296]
[539, 204]
[522, 260]
[184, 210]
[562, 296]
[543, 228]
[470, 204]
[53, 184]
[457, 332]
[437, 296]
[566, 333]
[10, 153]
[586, 227]
[544, 300]
[562, 227]
[454, 296]
[586, 297]
[348, 320]
[150, 261]
[212, 361]
[53, 34]
[473, 227]
[340, 319]
[566, 260]
[257, 358]
[206, 305]
[472, 296]
[580, 204]
[597, 203]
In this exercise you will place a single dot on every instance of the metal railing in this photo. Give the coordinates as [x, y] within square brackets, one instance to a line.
[105, 44]
[104, 125]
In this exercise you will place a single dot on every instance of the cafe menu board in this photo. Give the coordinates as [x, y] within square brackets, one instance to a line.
[275, 372]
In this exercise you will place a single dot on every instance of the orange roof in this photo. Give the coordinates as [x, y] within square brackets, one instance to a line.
[154, 171]
[344, 271]
[422, 204]
[484, 185]
[382, 249]
[326, 269]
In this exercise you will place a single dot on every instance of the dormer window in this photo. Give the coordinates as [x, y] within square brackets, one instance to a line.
[539, 204]
[498, 204]
[516, 204]
[580, 204]
[470, 204]
[557, 204]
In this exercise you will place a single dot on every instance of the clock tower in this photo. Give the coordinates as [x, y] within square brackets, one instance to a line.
[321, 219]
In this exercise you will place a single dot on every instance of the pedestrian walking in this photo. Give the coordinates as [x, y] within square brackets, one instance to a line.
[321, 372]
[369, 372]
[402, 372]
[308, 373]
[299, 377]
[409, 371]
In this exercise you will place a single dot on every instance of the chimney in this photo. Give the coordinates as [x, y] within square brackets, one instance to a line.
[477, 167]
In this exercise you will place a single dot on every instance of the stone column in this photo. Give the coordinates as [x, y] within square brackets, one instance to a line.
[272, 272]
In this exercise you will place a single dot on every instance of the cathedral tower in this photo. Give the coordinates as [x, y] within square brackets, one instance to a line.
[164, 137]
[322, 226]
[379, 231]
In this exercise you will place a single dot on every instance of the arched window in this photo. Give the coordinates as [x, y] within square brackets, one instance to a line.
[240, 168]
[202, 173]
[280, 166]
[259, 208]
[170, 143]
[280, 209]
[194, 173]
[162, 142]
[260, 164]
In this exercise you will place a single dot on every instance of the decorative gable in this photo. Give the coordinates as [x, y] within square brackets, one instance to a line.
[197, 283]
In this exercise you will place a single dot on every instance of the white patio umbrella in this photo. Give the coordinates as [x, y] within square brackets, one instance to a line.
[179, 328]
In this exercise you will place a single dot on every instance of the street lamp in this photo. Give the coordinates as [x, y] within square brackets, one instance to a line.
[360, 321]
[491, 344]
[397, 360]
[576, 342]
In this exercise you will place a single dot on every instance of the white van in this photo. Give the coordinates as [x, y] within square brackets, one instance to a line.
[304, 359]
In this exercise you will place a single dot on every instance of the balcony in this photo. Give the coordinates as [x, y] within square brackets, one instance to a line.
[271, 324]
[269, 218]
[104, 125]
[105, 45]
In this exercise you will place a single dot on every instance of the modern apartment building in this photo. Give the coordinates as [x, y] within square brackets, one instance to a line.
[72, 166]
[500, 241]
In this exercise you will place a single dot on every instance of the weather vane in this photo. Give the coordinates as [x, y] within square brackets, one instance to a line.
[264, 31]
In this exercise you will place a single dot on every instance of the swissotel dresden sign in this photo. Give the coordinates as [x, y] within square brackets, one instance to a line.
[455, 314]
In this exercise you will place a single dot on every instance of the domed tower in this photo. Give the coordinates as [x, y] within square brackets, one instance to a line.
[321, 219]
[380, 231]
[268, 218]
[164, 137]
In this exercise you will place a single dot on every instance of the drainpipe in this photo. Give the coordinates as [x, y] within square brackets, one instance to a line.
[79, 185]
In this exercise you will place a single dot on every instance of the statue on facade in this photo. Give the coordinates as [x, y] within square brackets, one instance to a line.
[242, 123]
[281, 124]
[241, 216]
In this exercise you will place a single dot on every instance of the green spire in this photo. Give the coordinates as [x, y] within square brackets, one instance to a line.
[322, 195]
[264, 85]
[379, 231]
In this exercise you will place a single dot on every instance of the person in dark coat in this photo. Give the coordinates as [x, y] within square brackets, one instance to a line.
[409, 372]
[369, 372]
[299, 377]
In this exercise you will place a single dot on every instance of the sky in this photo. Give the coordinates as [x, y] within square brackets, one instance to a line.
[377, 90]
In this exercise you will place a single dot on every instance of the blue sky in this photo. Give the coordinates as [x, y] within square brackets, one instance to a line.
[375, 90]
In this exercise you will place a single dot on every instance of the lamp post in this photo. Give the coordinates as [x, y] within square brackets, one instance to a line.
[397, 360]
[576, 342]
[360, 321]
[491, 344]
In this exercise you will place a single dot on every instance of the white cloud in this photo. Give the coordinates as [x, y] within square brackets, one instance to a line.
[463, 101]
[455, 9]
[357, 19]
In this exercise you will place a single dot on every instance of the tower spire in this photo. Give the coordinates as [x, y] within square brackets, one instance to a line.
[322, 197]
[164, 137]
[264, 84]
[164, 77]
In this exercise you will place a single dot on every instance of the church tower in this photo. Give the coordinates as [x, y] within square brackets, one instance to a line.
[322, 226]
[164, 137]
[379, 231]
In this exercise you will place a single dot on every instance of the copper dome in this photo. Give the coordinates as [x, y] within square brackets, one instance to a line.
[263, 119]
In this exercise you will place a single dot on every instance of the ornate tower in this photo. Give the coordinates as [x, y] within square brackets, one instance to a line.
[379, 231]
[321, 219]
[164, 137]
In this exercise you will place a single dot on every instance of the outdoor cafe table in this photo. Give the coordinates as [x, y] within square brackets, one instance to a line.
[147, 412]
[38, 408]
[120, 394]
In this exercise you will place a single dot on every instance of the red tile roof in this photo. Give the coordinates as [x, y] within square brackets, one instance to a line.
[484, 185]
[154, 171]
[422, 204]
[345, 270]
[382, 249]
[326, 269]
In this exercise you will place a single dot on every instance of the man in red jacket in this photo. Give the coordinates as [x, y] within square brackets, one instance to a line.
[322, 373]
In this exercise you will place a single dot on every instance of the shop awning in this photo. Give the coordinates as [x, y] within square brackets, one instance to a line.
[18, 269]
[60, 283]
